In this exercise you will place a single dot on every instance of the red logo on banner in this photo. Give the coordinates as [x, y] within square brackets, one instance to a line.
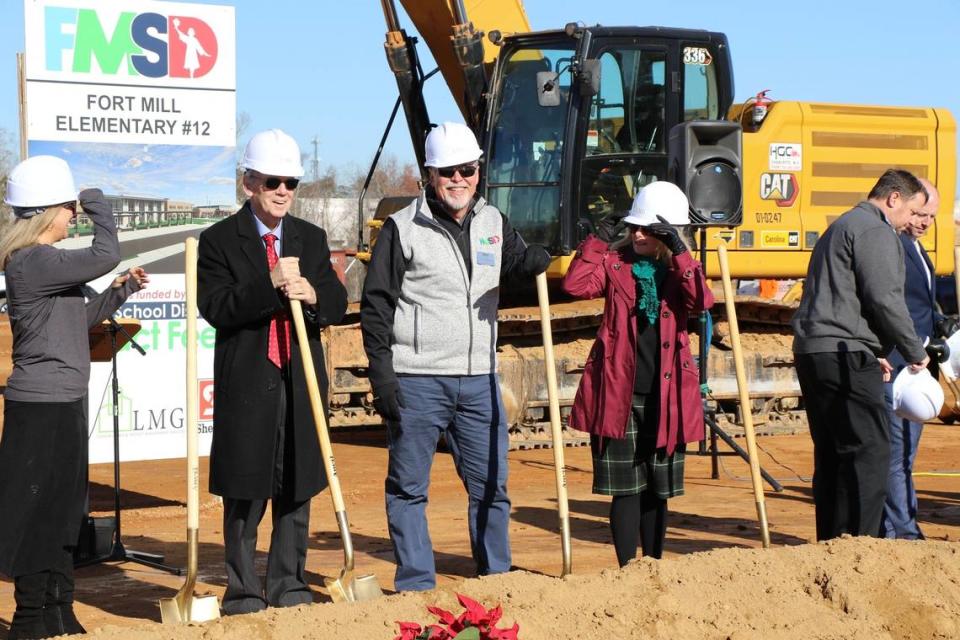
[193, 47]
[205, 389]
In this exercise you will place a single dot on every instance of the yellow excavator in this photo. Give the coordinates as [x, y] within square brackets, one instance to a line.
[574, 121]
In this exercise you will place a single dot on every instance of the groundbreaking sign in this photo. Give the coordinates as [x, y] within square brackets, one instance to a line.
[130, 72]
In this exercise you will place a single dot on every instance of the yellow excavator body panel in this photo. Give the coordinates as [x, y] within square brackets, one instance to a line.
[810, 162]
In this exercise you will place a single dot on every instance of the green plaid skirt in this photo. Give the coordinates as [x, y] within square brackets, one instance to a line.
[634, 464]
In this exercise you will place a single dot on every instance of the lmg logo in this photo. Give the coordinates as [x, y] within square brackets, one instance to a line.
[149, 44]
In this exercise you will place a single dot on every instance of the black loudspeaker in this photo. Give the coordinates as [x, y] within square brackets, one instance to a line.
[96, 538]
[704, 161]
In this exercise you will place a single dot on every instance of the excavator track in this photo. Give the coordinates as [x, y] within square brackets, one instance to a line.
[776, 401]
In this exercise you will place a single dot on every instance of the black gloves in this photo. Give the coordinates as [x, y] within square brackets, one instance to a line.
[93, 202]
[938, 350]
[536, 259]
[668, 235]
[611, 226]
[387, 401]
[946, 326]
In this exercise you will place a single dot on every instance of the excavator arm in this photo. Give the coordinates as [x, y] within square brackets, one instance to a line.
[453, 30]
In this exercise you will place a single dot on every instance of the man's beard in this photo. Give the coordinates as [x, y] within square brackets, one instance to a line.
[453, 203]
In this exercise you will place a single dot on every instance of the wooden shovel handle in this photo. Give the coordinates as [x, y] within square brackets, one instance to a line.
[193, 462]
[555, 427]
[319, 416]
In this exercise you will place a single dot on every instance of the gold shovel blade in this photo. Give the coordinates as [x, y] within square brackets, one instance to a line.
[347, 588]
[190, 609]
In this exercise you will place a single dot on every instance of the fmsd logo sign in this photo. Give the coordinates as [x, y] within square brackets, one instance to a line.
[137, 44]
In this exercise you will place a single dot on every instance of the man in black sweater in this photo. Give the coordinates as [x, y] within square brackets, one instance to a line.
[851, 315]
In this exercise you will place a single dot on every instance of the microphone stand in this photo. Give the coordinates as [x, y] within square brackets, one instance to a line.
[119, 553]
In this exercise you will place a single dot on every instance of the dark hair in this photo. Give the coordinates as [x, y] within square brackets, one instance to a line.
[899, 180]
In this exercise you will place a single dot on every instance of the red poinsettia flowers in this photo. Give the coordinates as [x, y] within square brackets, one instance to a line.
[475, 623]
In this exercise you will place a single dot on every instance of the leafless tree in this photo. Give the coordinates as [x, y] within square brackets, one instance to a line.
[390, 179]
[243, 123]
[8, 159]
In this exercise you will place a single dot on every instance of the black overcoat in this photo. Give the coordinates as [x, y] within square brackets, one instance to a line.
[235, 295]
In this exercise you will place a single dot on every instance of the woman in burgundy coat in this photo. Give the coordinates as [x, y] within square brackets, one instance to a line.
[639, 397]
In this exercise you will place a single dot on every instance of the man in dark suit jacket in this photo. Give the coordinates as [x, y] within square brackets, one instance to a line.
[264, 439]
[900, 507]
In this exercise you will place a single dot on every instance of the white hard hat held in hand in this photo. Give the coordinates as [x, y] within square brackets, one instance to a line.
[450, 144]
[917, 397]
[273, 153]
[659, 198]
[37, 183]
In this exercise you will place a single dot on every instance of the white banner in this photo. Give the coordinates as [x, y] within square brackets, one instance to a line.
[152, 387]
[132, 72]
[88, 113]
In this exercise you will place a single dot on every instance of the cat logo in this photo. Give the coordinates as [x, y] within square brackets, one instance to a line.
[779, 187]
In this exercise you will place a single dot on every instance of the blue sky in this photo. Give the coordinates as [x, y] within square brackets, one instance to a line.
[318, 68]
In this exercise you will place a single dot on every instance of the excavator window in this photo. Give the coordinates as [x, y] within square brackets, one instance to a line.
[700, 100]
[625, 139]
[627, 114]
[523, 167]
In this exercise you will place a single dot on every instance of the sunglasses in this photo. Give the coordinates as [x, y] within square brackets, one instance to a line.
[72, 205]
[465, 170]
[273, 182]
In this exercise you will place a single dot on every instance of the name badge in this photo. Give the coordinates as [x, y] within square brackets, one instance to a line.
[486, 259]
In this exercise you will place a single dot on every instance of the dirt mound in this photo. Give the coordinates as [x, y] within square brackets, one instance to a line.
[848, 588]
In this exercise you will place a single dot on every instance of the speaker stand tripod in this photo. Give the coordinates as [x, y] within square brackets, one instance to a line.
[118, 552]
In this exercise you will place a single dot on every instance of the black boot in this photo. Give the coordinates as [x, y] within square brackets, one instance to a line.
[30, 593]
[58, 609]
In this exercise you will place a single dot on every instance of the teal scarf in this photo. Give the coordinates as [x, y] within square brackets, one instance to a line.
[648, 274]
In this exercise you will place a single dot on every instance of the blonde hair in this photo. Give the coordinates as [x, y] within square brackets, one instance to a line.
[24, 232]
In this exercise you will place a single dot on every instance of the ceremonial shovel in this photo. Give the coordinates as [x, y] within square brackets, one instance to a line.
[745, 408]
[346, 587]
[186, 606]
[555, 429]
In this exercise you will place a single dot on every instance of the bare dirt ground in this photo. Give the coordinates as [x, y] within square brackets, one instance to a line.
[715, 581]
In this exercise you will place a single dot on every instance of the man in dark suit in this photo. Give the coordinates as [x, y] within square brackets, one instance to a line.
[920, 292]
[264, 440]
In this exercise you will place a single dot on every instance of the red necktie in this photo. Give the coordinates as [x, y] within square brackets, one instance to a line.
[278, 345]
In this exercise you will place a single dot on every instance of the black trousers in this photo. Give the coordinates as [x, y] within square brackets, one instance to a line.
[843, 393]
[43, 483]
[286, 585]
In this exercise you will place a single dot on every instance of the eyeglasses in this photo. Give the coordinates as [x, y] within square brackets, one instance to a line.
[465, 170]
[273, 182]
[72, 205]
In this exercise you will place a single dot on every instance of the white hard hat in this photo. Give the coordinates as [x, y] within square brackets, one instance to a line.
[916, 396]
[659, 199]
[450, 144]
[38, 182]
[273, 153]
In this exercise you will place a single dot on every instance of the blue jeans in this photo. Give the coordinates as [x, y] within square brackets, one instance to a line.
[900, 506]
[469, 412]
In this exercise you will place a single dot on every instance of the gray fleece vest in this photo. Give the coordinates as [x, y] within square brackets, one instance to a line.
[445, 323]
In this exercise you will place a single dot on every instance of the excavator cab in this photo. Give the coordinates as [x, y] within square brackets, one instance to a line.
[551, 164]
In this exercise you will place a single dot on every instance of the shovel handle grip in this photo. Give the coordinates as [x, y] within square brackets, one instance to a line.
[316, 405]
